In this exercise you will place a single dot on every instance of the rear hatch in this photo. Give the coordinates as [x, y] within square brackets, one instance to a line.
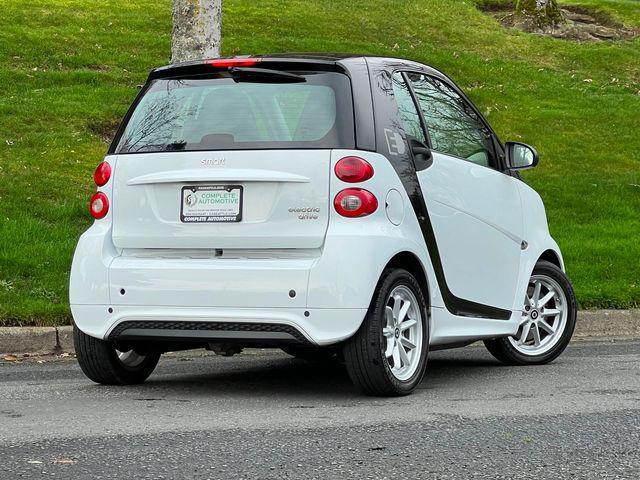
[232, 199]
[239, 158]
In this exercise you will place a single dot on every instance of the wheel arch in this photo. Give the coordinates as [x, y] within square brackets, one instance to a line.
[548, 251]
[551, 256]
[410, 262]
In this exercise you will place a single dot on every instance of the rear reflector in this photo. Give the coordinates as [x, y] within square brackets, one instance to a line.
[99, 205]
[232, 62]
[355, 202]
[102, 174]
[353, 170]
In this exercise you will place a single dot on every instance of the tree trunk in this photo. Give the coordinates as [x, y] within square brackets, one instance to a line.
[196, 30]
[542, 13]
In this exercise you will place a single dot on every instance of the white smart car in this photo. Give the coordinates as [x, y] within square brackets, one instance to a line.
[322, 204]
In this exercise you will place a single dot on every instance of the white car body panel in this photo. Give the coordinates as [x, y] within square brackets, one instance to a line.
[209, 282]
[356, 250]
[450, 329]
[538, 240]
[478, 223]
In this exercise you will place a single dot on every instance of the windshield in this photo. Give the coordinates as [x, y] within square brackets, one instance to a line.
[227, 113]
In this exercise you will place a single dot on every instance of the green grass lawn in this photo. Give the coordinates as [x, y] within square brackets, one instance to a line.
[69, 69]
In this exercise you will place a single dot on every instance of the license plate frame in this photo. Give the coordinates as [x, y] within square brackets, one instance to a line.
[192, 210]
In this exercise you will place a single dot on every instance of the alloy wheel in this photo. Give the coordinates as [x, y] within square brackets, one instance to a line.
[130, 358]
[403, 332]
[544, 317]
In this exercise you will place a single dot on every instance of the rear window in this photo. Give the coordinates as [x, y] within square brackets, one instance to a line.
[226, 113]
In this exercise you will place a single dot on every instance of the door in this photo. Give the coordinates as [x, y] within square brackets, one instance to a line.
[474, 208]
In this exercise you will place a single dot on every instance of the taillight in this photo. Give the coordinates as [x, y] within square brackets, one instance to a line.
[102, 174]
[355, 202]
[232, 62]
[99, 205]
[353, 170]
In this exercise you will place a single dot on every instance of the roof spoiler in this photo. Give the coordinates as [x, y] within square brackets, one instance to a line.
[215, 65]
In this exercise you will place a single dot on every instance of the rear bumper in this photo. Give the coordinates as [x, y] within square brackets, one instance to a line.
[210, 298]
[135, 322]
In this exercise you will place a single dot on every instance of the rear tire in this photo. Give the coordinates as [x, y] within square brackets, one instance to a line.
[543, 334]
[388, 354]
[103, 363]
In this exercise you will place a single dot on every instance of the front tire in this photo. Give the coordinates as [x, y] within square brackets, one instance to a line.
[388, 354]
[548, 320]
[103, 363]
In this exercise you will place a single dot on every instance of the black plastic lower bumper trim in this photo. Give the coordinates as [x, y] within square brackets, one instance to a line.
[204, 331]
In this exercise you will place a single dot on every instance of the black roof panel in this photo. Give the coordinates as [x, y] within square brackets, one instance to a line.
[196, 67]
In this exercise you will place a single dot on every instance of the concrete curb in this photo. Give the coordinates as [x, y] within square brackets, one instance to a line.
[36, 339]
[592, 325]
[613, 324]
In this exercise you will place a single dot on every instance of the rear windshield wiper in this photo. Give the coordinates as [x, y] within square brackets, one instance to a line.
[179, 145]
[241, 74]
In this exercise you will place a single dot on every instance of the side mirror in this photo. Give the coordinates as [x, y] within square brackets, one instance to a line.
[520, 156]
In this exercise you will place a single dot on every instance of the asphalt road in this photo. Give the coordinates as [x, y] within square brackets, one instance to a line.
[266, 415]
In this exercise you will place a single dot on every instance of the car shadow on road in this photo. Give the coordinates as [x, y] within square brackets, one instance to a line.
[262, 376]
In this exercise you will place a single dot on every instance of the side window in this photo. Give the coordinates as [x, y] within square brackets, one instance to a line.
[407, 109]
[454, 127]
